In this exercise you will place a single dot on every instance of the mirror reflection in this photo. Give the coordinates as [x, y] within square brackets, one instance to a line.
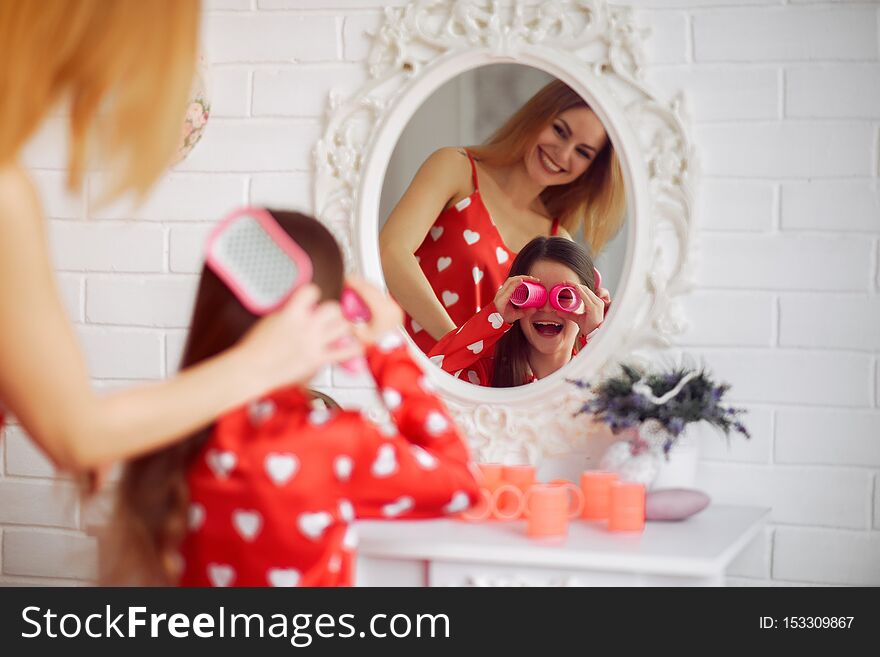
[501, 192]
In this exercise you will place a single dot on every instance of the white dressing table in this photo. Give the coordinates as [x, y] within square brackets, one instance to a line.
[695, 552]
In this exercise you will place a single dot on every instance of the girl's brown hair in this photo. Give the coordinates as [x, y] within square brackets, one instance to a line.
[131, 61]
[511, 366]
[150, 516]
[596, 200]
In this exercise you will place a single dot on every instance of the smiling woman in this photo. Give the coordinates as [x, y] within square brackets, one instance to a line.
[548, 170]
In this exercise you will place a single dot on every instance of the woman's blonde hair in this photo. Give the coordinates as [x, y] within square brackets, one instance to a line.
[131, 61]
[596, 200]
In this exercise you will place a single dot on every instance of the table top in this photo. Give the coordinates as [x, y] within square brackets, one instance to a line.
[701, 545]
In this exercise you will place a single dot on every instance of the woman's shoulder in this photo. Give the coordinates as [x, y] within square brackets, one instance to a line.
[449, 169]
[453, 159]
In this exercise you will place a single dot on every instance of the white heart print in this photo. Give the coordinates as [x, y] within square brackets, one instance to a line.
[501, 255]
[424, 458]
[436, 232]
[416, 327]
[335, 564]
[459, 502]
[471, 237]
[391, 398]
[496, 320]
[260, 411]
[389, 341]
[312, 525]
[281, 467]
[437, 360]
[385, 464]
[478, 274]
[476, 347]
[436, 423]
[342, 467]
[346, 510]
[283, 577]
[473, 377]
[319, 416]
[449, 298]
[350, 539]
[195, 516]
[220, 574]
[221, 462]
[247, 523]
[463, 203]
[401, 505]
[443, 263]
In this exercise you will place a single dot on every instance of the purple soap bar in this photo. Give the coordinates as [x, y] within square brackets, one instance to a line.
[674, 503]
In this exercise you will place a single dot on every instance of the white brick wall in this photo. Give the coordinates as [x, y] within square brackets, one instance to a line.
[785, 101]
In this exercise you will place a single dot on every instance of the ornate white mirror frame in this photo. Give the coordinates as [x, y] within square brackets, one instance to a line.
[597, 50]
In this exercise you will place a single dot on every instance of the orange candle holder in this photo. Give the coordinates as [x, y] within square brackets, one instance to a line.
[521, 476]
[492, 475]
[627, 507]
[596, 487]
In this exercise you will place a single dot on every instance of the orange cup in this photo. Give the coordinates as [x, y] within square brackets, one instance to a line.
[596, 487]
[548, 508]
[492, 475]
[627, 507]
[507, 502]
[521, 476]
[481, 510]
[576, 495]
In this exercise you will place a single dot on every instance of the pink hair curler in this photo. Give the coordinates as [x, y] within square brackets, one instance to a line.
[256, 259]
[565, 298]
[529, 295]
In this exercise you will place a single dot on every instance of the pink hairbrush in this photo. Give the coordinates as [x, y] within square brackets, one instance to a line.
[257, 260]
[260, 263]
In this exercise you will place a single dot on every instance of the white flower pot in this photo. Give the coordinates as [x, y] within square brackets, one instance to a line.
[651, 467]
[678, 469]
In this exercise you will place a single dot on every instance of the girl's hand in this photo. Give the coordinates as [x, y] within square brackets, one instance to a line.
[509, 312]
[605, 295]
[292, 344]
[592, 312]
[385, 314]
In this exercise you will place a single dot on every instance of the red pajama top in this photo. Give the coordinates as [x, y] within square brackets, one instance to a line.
[468, 353]
[464, 259]
[274, 490]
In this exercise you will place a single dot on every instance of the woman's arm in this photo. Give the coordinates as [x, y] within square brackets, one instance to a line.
[44, 380]
[443, 176]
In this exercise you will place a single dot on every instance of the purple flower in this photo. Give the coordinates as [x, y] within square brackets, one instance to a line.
[675, 426]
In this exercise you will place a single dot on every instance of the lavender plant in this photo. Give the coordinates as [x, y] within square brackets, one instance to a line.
[630, 398]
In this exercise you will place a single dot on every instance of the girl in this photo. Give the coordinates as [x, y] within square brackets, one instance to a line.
[125, 68]
[447, 246]
[267, 494]
[504, 346]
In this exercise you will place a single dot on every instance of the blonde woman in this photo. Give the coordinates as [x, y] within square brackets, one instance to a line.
[448, 245]
[126, 68]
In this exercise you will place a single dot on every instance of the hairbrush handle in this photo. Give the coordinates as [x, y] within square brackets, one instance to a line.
[353, 307]
[356, 311]
[529, 295]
